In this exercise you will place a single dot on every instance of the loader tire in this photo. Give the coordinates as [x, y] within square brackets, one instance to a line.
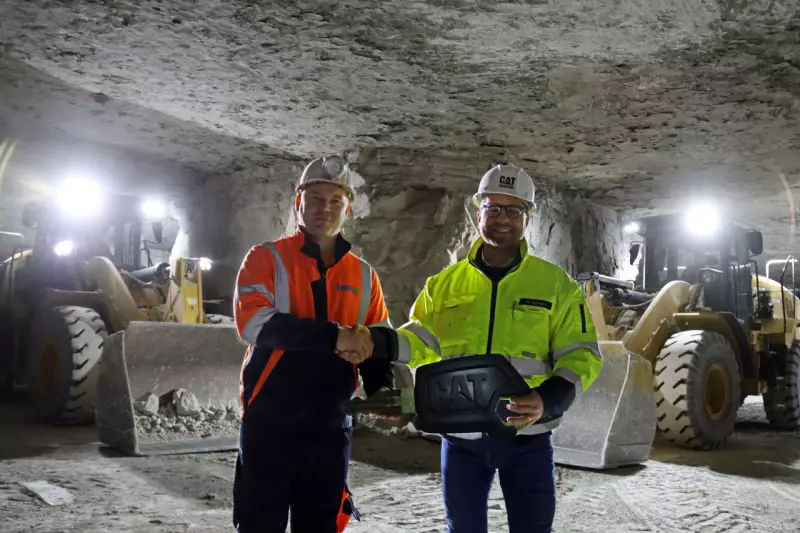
[697, 389]
[783, 409]
[219, 319]
[63, 354]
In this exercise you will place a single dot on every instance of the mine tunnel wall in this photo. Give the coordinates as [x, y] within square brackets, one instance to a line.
[410, 219]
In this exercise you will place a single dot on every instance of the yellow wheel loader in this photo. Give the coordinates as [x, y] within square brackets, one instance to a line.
[713, 328]
[88, 331]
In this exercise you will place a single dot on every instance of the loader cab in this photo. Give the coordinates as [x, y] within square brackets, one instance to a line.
[720, 257]
[65, 239]
[115, 232]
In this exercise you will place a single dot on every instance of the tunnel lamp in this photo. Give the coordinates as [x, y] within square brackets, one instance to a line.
[631, 227]
[64, 248]
[702, 220]
[79, 198]
[205, 264]
[154, 209]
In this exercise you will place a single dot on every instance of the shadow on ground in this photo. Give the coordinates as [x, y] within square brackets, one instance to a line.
[206, 477]
[408, 455]
[23, 437]
[755, 450]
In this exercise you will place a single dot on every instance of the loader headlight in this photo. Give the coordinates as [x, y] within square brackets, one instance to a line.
[64, 248]
[152, 208]
[702, 220]
[205, 264]
[79, 198]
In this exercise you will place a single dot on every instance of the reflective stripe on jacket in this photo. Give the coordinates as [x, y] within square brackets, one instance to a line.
[536, 316]
[289, 307]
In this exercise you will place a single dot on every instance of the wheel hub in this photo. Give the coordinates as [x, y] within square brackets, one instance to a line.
[717, 392]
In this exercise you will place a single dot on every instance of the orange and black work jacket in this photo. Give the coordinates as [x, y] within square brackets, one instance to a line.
[288, 306]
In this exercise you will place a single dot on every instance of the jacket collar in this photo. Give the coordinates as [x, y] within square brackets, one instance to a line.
[473, 251]
[310, 248]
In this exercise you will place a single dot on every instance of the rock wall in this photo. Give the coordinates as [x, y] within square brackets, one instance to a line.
[411, 218]
[230, 213]
[421, 219]
[579, 236]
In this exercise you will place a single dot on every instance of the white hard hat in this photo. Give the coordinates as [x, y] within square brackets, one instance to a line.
[328, 169]
[506, 179]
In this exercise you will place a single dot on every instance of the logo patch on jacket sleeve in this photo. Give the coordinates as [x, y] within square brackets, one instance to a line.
[536, 303]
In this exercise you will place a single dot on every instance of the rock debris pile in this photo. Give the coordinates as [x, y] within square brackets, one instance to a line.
[178, 415]
[388, 426]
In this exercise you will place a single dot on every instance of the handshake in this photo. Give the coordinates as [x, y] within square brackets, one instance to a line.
[354, 344]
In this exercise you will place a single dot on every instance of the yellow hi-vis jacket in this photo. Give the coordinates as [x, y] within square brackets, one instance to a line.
[536, 315]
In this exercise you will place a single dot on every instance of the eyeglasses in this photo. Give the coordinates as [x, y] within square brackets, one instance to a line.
[512, 211]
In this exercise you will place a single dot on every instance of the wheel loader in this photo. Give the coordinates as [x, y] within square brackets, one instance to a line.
[713, 326]
[87, 329]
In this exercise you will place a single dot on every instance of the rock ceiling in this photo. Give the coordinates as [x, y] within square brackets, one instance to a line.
[638, 104]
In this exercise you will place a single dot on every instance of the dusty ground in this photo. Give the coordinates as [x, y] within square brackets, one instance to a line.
[751, 486]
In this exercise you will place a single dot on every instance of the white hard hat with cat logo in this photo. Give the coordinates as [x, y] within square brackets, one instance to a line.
[506, 179]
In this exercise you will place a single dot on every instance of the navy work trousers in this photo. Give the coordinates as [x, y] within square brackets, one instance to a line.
[527, 478]
[278, 471]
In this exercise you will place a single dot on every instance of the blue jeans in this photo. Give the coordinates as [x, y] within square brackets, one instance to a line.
[527, 478]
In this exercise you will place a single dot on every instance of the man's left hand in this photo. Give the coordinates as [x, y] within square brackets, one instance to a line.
[529, 406]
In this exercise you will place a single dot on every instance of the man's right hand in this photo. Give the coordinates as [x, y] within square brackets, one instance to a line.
[354, 344]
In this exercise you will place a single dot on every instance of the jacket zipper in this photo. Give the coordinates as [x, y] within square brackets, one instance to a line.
[583, 319]
[495, 285]
[491, 316]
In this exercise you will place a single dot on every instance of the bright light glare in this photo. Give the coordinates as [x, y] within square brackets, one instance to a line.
[154, 209]
[631, 227]
[64, 248]
[205, 263]
[79, 198]
[702, 220]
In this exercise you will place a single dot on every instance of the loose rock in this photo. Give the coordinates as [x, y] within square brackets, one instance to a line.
[181, 417]
[186, 403]
[50, 494]
[147, 404]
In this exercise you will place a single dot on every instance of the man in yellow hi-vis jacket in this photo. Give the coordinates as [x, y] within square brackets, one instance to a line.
[501, 300]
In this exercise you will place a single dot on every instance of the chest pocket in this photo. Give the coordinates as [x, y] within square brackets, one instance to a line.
[530, 326]
[455, 323]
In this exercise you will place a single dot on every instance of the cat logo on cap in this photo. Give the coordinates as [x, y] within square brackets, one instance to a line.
[507, 181]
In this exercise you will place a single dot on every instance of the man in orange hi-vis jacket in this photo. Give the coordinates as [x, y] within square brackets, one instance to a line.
[314, 317]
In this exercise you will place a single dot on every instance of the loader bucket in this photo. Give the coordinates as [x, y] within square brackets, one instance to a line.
[167, 388]
[613, 423]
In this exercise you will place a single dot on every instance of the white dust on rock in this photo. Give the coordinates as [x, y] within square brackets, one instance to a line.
[178, 415]
[388, 426]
